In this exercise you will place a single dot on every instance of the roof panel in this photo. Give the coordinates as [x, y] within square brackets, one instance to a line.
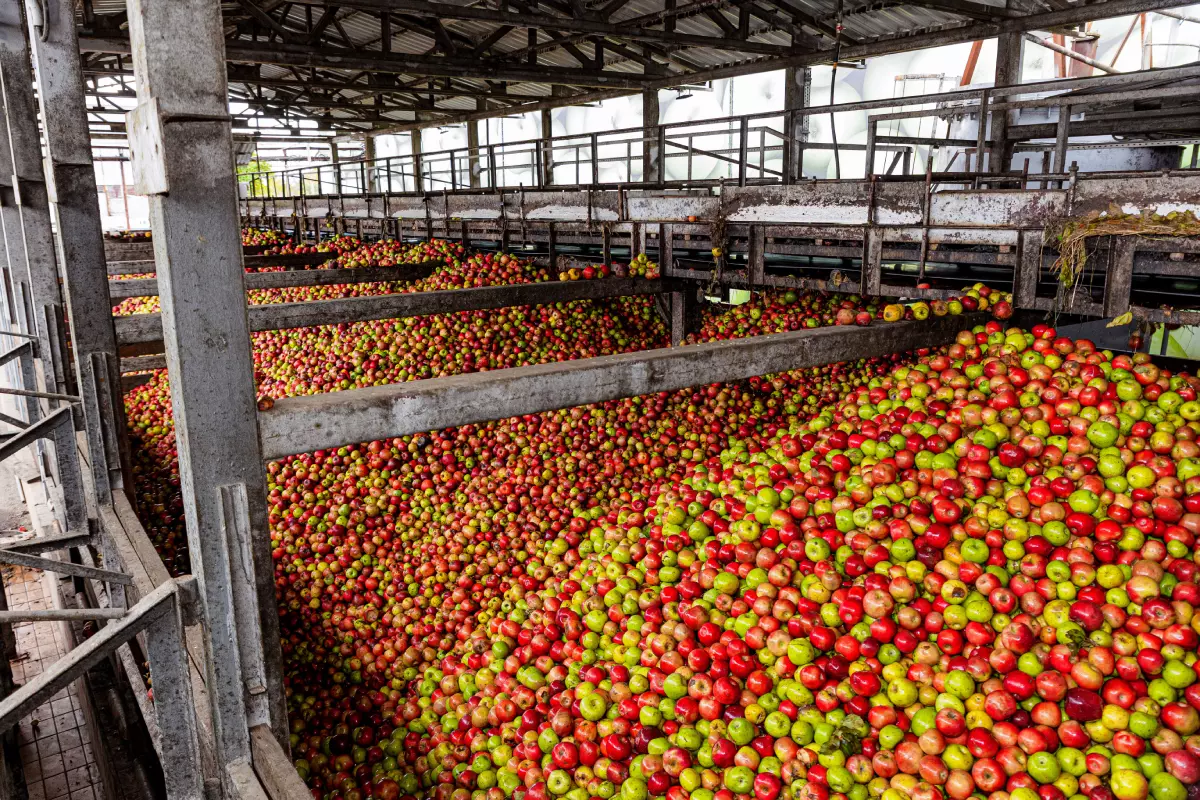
[414, 34]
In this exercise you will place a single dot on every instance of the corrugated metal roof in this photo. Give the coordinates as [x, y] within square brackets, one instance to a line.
[877, 20]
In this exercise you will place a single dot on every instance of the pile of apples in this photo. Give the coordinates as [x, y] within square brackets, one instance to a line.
[972, 576]
[639, 267]
[947, 574]
[264, 237]
[339, 245]
[586, 272]
[329, 358]
[128, 236]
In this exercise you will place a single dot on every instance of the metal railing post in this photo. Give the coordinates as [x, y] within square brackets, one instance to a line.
[595, 158]
[743, 149]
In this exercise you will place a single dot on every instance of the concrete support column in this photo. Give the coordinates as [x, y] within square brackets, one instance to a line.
[183, 158]
[31, 248]
[71, 178]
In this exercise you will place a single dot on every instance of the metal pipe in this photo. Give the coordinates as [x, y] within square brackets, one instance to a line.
[1069, 53]
[1177, 15]
[66, 398]
[60, 615]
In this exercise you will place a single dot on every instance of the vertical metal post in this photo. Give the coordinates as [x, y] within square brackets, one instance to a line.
[872, 132]
[183, 154]
[473, 151]
[796, 84]
[756, 272]
[636, 245]
[595, 148]
[683, 312]
[493, 175]
[418, 175]
[369, 160]
[652, 154]
[743, 149]
[981, 133]
[71, 179]
[1010, 48]
[546, 149]
[1062, 135]
[40, 285]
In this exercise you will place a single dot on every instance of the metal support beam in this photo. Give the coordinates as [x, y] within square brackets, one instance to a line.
[546, 178]
[60, 615]
[45, 428]
[1069, 53]
[473, 164]
[872, 261]
[303, 424]
[183, 156]
[797, 84]
[652, 154]
[63, 567]
[369, 157]
[299, 55]
[417, 160]
[159, 614]
[71, 179]
[1010, 49]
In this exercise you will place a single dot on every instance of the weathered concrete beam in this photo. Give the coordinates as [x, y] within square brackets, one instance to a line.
[304, 424]
[141, 328]
[148, 287]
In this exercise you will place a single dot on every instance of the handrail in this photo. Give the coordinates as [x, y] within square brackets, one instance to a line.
[467, 167]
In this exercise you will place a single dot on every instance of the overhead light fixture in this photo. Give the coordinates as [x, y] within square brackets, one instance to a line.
[683, 94]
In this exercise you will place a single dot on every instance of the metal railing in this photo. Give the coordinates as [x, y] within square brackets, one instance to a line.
[766, 147]
[158, 619]
[746, 149]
